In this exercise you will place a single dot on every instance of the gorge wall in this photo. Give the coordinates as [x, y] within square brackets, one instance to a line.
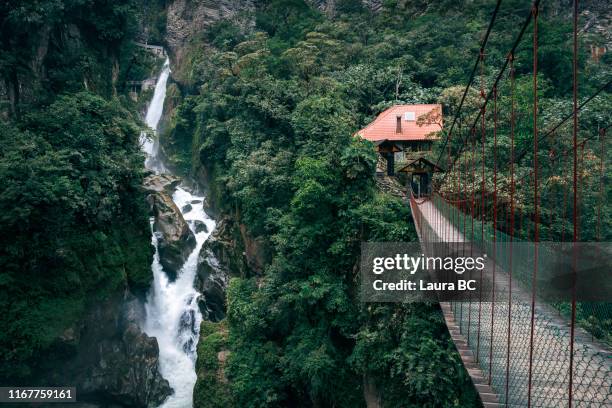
[76, 243]
[186, 21]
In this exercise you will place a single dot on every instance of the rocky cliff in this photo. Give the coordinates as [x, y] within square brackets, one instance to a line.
[230, 251]
[187, 19]
[108, 358]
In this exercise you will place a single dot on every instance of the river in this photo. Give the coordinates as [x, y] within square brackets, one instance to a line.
[172, 313]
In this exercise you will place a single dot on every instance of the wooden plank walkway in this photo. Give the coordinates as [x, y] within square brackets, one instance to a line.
[480, 333]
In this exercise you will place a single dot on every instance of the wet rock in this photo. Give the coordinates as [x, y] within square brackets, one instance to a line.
[176, 241]
[187, 321]
[112, 361]
[224, 245]
[186, 208]
[235, 249]
[189, 346]
[161, 183]
[211, 281]
[198, 226]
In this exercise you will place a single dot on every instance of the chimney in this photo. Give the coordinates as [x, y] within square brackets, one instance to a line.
[398, 127]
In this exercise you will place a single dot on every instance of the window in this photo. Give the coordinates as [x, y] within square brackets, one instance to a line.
[410, 116]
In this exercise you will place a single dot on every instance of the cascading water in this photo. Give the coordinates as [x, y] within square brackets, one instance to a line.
[172, 312]
[150, 145]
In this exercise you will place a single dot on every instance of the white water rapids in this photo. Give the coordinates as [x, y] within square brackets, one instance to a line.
[172, 313]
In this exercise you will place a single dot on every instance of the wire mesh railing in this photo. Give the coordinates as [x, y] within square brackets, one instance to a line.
[498, 329]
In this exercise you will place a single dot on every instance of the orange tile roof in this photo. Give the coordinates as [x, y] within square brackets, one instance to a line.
[385, 125]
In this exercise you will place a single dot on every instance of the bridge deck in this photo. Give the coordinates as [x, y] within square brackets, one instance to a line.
[496, 347]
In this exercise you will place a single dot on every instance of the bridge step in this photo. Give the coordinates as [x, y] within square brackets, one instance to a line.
[488, 396]
[484, 388]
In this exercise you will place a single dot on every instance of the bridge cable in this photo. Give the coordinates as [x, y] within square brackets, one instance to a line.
[472, 75]
[494, 230]
[602, 135]
[501, 72]
[482, 188]
[536, 231]
[512, 125]
[575, 209]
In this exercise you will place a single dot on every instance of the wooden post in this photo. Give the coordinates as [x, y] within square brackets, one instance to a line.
[390, 164]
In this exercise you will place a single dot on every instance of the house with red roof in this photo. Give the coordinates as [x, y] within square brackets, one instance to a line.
[404, 132]
[410, 126]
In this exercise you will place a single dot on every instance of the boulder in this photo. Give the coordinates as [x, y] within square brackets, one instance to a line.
[157, 183]
[239, 252]
[175, 239]
[224, 244]
[198, 226]
[186, 208]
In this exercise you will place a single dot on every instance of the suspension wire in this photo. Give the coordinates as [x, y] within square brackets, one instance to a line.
[568, 116]
[473, 163]
[552, 160]
[482, 188]
[552, 215]
[580, 186]
[472, 76]
[512, 124]
[500, 74]
[575, 209]
[472, 207]
[564, 203]
[462, 204]
[494, 230]
[458, 189]
[602, 135]
[536, 232]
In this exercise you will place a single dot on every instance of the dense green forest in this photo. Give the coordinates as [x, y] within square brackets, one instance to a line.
[74, 225]
[270, 115]
[264, 117]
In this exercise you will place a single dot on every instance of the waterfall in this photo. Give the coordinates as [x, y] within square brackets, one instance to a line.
[148, 142]
[172, 312]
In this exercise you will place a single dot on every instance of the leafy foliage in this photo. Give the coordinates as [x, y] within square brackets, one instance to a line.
[271, 120]
[274, 113]
[73, 226]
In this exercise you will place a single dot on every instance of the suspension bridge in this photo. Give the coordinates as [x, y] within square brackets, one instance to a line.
[521, 351]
